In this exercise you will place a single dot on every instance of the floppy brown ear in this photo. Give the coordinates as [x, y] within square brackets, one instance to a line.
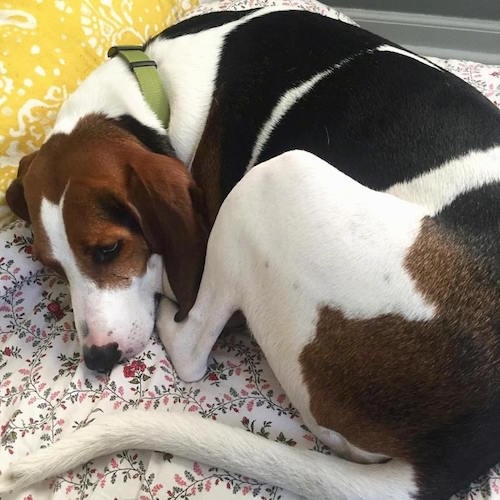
[171, 215]
[15, 192]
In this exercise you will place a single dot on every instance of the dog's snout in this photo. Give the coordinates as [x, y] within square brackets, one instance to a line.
[101, 358]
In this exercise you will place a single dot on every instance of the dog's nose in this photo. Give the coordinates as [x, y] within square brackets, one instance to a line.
[101, 358]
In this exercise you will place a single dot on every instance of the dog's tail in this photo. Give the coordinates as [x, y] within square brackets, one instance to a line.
[306, 473]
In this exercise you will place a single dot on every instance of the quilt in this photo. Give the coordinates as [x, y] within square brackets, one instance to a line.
[46, 392]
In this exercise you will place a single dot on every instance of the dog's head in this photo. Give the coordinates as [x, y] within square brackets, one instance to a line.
[111, 215]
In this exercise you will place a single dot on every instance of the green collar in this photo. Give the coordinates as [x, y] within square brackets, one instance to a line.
[147, 76]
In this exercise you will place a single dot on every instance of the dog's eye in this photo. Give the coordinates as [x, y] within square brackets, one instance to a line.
[103, 254]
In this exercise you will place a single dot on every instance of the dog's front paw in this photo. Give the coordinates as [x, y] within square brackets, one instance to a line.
[181, 340]
[191, 372]
[168, 328]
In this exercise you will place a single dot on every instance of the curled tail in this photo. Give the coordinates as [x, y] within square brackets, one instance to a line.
[306, 473]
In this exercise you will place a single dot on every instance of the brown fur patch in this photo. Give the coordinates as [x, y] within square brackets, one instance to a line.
[206, 167]
[88, 228]
[386, 383]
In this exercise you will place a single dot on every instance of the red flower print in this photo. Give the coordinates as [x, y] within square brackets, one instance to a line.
[213, 376]
[129, 371]
[7, 351]
[55, 309]
[134, 368]
[138, 365]
[28, 249]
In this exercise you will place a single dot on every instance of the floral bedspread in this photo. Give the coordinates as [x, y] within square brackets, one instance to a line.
[46, 391]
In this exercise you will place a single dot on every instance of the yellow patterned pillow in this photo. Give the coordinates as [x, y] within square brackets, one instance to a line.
[47, 47]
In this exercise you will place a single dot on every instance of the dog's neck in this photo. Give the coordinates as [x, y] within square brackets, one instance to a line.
[112, 90]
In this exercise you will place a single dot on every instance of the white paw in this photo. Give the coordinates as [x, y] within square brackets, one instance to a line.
[191, 372]
[180, 341]
[168, 329]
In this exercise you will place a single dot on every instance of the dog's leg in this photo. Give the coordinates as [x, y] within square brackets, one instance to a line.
[189, 342]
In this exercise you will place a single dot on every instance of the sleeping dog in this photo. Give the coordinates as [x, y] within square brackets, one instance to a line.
[378, 316]
[122, 201]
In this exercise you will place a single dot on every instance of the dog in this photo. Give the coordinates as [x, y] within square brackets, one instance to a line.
[378, 316]
[122, 203]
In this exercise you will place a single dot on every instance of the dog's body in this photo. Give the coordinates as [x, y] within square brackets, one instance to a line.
[106, 198]
[391, 338]
[379, 320]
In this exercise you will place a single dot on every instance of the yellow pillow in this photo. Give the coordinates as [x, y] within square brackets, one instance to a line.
[47, 47]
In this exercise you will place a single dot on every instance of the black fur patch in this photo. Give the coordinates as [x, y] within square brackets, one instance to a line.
[116, 211]
[201, 23]
[154, 141]
[381, 117]
[459, 453]
[474, 217]
[264, 58]
[385, 118]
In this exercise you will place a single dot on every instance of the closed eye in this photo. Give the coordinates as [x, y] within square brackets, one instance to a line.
[106, 253]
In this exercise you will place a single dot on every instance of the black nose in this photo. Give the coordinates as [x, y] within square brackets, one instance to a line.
[101, 358]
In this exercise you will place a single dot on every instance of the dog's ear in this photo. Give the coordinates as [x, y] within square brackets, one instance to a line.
[170, 210]
[15, 192]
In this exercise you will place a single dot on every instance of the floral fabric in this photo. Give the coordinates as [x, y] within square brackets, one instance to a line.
[46, 391]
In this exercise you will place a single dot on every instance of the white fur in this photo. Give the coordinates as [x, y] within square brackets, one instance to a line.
[439, 187]
[284, 104]
[406, 53]
[307, 473]
[188, 68]
[111, 89]
[122, 314]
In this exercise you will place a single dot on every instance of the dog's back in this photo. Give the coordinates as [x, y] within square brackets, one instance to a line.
[248, 86]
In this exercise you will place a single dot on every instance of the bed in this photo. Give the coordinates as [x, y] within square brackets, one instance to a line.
[45, 389]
